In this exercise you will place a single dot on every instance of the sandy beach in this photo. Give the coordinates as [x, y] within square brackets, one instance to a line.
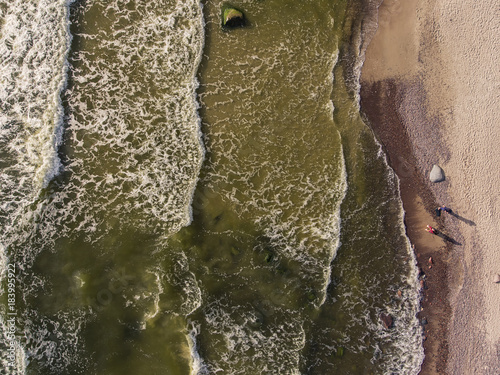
[430, 91]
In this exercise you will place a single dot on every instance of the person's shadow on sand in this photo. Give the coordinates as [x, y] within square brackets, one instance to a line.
[461, 218]
[448, 238]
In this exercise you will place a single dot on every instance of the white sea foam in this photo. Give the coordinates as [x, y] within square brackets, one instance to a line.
[156, 297]
[12, 356]
[236, 331]
[54, 342]
[408, 344]
[185, 280]
[363, 32]
[34, 44]
[134, 128]
[198, 366]
[336, 223]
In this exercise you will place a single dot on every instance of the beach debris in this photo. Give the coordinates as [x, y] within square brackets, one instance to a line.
[496, 279]
[232, 17]
[431, 261]
[387, 320]
[437, 174]
[423, 321]
[400, 293]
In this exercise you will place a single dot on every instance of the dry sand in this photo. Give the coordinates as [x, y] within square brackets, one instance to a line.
[430, 90]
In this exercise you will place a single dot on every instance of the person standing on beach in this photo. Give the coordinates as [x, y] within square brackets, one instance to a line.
[442, 208]
[431, 230]
[445, 209]
[438, 211]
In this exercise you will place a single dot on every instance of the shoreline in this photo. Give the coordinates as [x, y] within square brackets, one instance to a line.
[418, 88]
[417, 203]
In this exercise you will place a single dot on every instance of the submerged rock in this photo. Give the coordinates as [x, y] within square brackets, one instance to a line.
[437, 174]
[387, 320]
[340, 352]
[269, 257]
[232, 17]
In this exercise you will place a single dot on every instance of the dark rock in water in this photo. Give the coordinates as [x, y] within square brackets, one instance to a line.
[420, 272]
[387, 320]
[232, 17]
[269, 257]
[437, 174]
[257, 320]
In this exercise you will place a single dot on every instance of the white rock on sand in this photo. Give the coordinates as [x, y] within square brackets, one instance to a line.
[437, 174]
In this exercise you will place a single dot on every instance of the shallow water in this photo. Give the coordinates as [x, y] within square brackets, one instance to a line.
[215, 204]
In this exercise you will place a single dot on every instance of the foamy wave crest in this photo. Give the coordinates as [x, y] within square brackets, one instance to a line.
[408, 330]
[184, 281]
[12, 357]
[198, 366]
[134, 143]
[237, 331]
[34, 44]
[54, 342]
[363, 31]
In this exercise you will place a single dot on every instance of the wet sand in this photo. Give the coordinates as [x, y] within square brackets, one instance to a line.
[429, 90]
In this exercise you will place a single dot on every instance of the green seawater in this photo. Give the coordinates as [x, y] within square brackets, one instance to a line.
[223, 206]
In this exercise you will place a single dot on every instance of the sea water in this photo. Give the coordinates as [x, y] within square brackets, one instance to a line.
[182, 199]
